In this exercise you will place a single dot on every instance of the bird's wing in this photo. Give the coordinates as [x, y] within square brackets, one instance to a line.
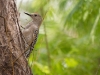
[31, 46]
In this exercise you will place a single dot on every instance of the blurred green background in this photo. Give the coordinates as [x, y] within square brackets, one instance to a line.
[69, 39]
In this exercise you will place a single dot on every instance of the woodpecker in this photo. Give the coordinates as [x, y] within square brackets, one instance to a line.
[30, 32]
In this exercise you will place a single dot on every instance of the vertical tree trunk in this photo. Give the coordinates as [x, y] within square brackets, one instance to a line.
[11, 41]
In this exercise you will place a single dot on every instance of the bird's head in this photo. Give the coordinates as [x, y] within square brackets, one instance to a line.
[36, 18]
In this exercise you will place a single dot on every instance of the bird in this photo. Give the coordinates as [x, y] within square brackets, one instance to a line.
[31, 31]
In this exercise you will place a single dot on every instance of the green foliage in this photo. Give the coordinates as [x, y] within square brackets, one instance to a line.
[68, 43]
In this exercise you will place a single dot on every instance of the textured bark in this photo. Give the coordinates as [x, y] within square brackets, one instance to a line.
[12, 62]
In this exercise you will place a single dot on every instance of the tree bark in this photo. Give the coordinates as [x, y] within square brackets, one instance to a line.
[12, 61]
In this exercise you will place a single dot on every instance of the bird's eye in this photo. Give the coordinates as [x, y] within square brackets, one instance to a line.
[35, 15]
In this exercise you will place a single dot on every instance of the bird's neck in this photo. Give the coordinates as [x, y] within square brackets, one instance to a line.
[37, 23]
[33, 25]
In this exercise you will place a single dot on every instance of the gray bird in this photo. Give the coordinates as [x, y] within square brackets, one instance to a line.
[30, 32]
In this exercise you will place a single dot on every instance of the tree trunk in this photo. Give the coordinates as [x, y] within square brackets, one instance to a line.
[12, 61]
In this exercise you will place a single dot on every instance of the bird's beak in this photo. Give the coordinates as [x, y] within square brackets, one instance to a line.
[27, 14]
